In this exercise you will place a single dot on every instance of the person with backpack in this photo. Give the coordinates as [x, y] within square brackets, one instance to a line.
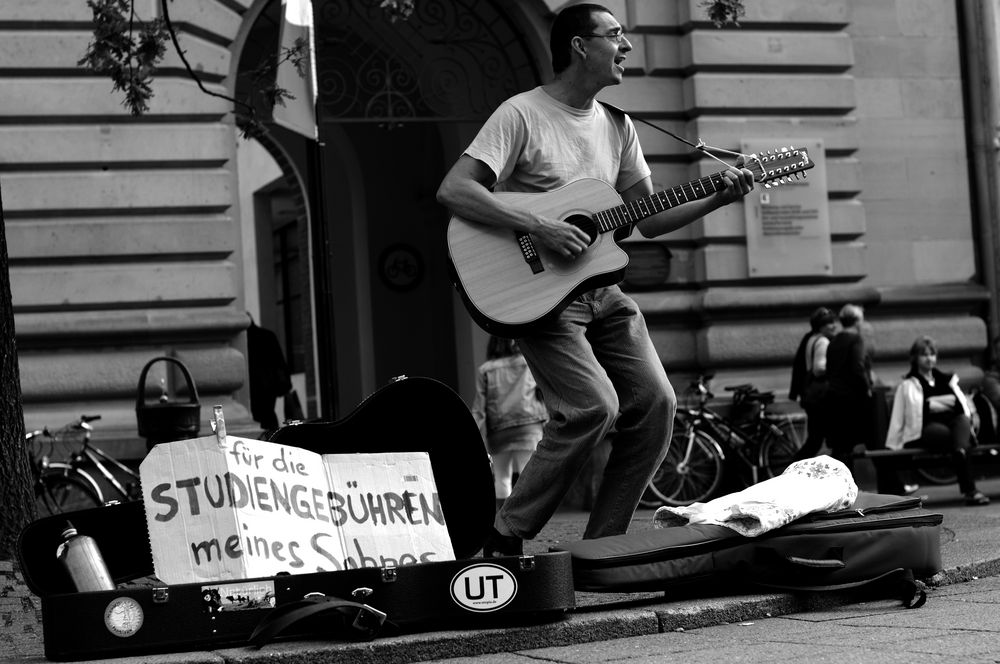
[809, 384]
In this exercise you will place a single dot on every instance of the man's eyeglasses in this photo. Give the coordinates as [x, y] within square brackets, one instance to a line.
[617, 37]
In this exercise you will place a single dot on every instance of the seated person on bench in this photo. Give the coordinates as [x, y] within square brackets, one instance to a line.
[930, 412]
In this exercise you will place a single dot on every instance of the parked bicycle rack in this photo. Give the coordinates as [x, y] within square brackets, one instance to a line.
[165, 421]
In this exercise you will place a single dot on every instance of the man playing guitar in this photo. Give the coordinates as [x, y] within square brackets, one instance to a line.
[593, 359]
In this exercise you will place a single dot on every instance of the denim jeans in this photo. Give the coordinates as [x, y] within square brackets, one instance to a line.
[597, 368]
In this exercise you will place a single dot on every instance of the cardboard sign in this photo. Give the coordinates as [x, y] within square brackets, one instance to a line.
[253, 508]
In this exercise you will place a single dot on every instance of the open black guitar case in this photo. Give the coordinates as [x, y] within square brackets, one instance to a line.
[145, 616]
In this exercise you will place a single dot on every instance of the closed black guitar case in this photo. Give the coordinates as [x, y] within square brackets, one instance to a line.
[145, 616]
[879, 536]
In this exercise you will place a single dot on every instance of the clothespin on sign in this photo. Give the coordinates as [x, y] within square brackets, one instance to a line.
[219, 425]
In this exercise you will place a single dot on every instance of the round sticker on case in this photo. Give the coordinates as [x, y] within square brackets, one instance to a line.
[483, 588]
[123, 617]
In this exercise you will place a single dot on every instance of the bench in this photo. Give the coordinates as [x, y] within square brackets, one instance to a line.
[935, 465]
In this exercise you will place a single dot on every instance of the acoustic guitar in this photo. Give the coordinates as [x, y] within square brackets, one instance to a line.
[509, 282]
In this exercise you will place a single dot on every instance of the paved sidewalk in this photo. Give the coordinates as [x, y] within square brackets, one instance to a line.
[959, 624]
[970, 549]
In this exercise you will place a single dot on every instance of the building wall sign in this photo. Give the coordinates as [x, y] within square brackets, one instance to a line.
[788, 226]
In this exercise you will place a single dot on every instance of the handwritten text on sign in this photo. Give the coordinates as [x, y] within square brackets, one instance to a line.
[254, 508]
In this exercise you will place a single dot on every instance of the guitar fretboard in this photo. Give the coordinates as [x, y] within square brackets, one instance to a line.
[637, 210]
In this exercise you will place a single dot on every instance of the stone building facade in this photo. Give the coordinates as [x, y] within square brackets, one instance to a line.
[132, 238]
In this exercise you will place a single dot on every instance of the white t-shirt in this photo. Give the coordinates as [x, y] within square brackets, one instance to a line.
[534, 143]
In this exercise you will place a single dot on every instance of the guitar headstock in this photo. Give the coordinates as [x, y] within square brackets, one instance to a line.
[778, 166]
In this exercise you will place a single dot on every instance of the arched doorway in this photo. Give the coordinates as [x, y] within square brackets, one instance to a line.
[389, 94]
[395, 90]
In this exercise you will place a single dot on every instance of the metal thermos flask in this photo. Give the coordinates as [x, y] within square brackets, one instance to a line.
[82, 559]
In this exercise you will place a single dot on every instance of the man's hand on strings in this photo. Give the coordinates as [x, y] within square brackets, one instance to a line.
[738, 183]
[561, 237]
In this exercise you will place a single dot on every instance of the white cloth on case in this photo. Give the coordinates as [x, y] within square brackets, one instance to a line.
[820, 484]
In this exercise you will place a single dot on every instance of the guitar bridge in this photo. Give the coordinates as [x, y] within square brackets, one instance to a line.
[531, 256]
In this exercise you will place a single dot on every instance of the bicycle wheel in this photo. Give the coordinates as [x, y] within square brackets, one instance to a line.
[795, 430]
[59, 491]
[690, 473]
[776, 452]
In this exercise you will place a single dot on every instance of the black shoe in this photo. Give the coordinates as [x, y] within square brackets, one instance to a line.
[498, 545]
[976, 498]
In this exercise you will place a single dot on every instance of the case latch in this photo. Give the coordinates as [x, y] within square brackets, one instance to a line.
[526, 563]
[161, 594]
[389, 574]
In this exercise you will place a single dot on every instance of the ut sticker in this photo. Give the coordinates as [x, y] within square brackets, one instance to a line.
[483, 588]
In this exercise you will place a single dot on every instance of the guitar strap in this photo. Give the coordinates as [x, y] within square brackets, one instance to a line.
[700, 145]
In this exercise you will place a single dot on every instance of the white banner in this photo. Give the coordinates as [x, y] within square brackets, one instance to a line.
[298, 114]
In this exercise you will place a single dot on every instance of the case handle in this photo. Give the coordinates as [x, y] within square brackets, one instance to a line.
[816, 563]
[366, 621]
[833, 561]
[141, 389]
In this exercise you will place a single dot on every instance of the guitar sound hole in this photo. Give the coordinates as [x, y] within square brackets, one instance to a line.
[585, 224]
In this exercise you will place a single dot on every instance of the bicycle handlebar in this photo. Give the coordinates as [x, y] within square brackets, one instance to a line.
[744, 392]
[753, 396]
[82, 424]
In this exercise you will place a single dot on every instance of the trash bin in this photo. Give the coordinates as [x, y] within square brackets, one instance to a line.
[164, 420]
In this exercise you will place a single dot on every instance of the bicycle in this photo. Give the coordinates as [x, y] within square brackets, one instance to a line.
[67, 486]
[706, 444]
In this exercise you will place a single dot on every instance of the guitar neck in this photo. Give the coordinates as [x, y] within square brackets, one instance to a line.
[637, 210]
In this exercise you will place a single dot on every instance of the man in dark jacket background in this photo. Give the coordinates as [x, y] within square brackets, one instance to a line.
[269, 377]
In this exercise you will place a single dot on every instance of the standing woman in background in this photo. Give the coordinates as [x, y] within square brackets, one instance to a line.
[809, 380]
[509, 411]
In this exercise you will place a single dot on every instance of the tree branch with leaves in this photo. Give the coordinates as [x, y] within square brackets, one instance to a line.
[723, 12]
[128, 49]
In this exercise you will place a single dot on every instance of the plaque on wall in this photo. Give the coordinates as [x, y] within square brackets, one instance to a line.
[788, 226]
